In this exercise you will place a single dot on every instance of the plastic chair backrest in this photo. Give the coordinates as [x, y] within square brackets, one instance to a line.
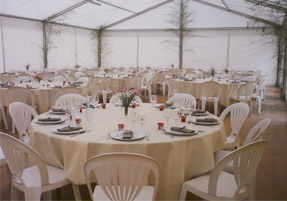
[66, 90]
[122, 175]
[245, 162]
[20, 94]
[257, 132]
[93, 90]
[69, 100]
[210, 89]
[183, 100]
[238, 114]
[18, 154]
[22, 115]
[246, 89]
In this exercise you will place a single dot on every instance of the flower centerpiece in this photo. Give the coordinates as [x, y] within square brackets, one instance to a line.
[226, 70]
[106, 70]
[27, 67]
[38, 78]
[212, 72]
[77, 66]
[126, 96]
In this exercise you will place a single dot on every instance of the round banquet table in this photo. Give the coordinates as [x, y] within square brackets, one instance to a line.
[180, 158]
[44, 96]
[228, 88]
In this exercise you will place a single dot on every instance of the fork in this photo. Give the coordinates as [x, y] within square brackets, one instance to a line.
[165, 133]
[108, 136]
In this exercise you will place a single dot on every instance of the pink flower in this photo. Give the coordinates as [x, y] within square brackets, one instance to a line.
[121, 90]
[125, 89]
[134, 88]
[136, 92]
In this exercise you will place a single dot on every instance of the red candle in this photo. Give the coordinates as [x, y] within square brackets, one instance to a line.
[104, 105]
[134, 105]
[160, 125]
[161, 107]
[121, 127]
[183, 118]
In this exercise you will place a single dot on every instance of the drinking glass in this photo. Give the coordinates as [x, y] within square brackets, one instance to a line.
[95, 100]
[89, 117]
[134, 114]
[141, 120]
[153, 100]
[175, 116]
[167, 113]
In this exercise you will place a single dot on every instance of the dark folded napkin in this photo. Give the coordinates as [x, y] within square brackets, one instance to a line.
[199, 112]
[86, 105]
[182, 129]
[5, 86]
[58, 110]
[207, 120]
[128, 134]
[49, 119]
[58, 87]
[69, 129]
[78, 82]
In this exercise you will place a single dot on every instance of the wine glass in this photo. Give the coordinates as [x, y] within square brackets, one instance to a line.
[96, 100]
[141, 120]
[153, 100]
[89, 101]
[167, 113]
[175, 116]
[134, 114]
[89, 117]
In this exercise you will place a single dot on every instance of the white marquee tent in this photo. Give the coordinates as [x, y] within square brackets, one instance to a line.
[136, 31]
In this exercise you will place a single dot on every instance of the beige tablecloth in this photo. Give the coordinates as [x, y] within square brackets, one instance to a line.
[193, 87]
[44, 96]
[115, 83]
[180, 158]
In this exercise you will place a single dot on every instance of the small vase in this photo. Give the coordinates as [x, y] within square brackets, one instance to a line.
[126, 111]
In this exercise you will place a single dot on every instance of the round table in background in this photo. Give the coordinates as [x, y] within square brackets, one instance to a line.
[180, 158]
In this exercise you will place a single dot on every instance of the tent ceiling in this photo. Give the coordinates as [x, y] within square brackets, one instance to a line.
[89, 15]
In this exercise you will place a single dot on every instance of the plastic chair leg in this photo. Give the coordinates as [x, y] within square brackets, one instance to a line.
[77, 193]
[183, 193]
[33, 194]
[203, 104]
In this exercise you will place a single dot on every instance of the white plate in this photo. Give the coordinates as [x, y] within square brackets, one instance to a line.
[205, 123]
[201, 114]
[59, 113]
[118, 135]
[67, 133]
[51, 122]
[168, 130]
[158, 105]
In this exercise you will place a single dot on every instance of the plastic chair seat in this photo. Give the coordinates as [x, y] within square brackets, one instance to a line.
[241, 98]
[2, 157]
[226, 186]
[31, 176]
[145, 194]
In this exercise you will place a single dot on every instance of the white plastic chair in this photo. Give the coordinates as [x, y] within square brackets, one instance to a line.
[85, 80]
[122, 176]
[183, 100]
[146, 84]
[115, 99]
[172, 88]
[69, 100]
[33, 179]
[3, 115]
[263, 80]
[258, 95]
[210, 91]
[221, 185]
[66, 90]
[22, 115]
[254, 135]
[136, 82]
[244, 93]
[238, 115]
[93, 90]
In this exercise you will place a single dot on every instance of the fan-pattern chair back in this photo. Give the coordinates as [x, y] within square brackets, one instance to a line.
[17, 155]
[93, 90]
[66, 90]
[20, 94]
[22, 115]
[210, 89]
[238, 114]
[183, 100]
[121, 175]
[257, 132]
[146, 79]
[245, 162]
[246, 89]
[171, 84]
[69, 100]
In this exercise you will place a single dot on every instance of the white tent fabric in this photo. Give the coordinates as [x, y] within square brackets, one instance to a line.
[218, 38]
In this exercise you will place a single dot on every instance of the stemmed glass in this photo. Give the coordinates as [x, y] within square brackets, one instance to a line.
[134, 114]
[89, 117]
[141, 120]
[95, 100]
[153, 100]
[175, 116]
[167, 113]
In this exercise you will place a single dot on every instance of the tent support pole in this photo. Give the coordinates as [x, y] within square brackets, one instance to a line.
[45, 46]
[3, 47]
